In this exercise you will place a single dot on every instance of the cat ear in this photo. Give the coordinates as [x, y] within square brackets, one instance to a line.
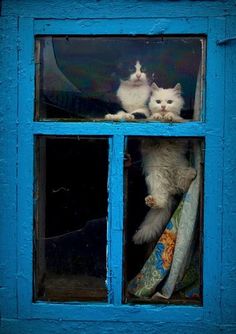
[178, 88]
[154, 87]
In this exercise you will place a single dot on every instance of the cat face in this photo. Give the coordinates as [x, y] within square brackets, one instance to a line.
[136, 75]
[166, 100]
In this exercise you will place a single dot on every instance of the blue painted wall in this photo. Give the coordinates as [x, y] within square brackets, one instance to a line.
[18, 314]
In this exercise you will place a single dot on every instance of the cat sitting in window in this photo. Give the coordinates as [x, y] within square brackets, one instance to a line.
[133, 95]
[165, 166]
[166, 104]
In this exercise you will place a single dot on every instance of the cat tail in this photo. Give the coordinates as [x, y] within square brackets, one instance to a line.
[154, 223]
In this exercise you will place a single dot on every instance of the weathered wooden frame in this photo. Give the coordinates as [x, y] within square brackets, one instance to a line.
[211, 130]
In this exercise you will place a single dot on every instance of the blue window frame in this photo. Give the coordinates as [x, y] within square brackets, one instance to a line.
[211, 130]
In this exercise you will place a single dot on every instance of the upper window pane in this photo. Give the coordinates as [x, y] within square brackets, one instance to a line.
[111, 78]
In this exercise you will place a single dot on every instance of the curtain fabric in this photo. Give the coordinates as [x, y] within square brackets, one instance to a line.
[169, 261]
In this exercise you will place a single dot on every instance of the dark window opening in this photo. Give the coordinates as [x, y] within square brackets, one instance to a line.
[70, 218]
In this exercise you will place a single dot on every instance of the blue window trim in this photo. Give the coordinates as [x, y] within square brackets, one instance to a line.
[211, 130]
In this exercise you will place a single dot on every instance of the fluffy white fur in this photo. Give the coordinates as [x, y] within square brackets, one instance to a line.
[167, 173]
[166, 104]
[133, 95]
[165, 166]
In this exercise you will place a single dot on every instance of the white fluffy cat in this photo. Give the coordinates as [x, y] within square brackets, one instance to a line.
[133, 95]
[166, 104]
[165, 166]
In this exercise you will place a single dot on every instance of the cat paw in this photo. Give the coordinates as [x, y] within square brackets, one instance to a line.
[151, 202]
[111, 117]
[191, 173]
[119, 117]
[128, 117]
[186, 179]
[144, 234]
[156, 117]
[169, 117]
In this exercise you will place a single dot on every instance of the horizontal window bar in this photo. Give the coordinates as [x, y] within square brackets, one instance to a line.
[148, 26]
[102, 312]
[191, 129]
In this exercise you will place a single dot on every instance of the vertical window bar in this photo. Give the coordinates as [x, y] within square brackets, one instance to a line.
[25, 172]
[213, 170]
[115, 220]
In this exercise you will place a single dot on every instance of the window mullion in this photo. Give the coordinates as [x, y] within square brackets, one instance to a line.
[115, 219]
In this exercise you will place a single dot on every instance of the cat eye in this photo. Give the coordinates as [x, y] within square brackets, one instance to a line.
[158, 101]
[131, 69]
[170, 101]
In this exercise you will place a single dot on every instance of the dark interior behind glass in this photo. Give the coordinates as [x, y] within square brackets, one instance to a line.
[77, 77]
[70, 218]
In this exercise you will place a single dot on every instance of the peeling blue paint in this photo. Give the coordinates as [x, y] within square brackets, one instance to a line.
[20, 22]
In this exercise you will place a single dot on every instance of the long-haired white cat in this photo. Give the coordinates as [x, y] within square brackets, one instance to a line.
[166, 104]
[165, 166]
[133, 95]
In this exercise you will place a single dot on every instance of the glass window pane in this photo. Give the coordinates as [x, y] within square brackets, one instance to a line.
[70, 218]
[164, 182]
[97, 78]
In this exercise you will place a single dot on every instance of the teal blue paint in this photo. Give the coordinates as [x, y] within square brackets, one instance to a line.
[122, 26]
[115, 222]
[228, 301]
[8, 161]
[116, 9]
[217, 314]
[129, 313]
[25, 170]
[213, 171]
[118, 327]
[120, 128]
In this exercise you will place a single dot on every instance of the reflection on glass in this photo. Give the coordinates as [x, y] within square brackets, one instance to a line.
[97, 78]
[163, 220]
[70, 218]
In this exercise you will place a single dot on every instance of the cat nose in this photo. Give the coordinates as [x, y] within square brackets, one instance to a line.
[163, 107]
[138, 75]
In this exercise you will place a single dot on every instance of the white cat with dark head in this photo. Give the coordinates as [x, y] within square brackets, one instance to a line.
[133, 94]
[166, 103]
